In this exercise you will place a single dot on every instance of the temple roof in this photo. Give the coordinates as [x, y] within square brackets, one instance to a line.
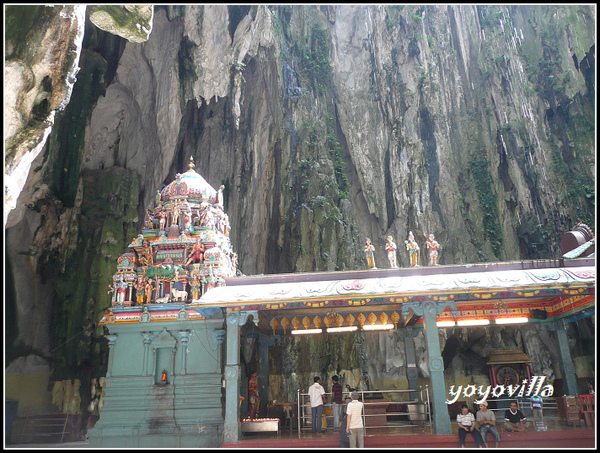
[188, 185]
[504, 356]
[485, 285]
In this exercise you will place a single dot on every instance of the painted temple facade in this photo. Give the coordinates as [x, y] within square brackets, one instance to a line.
[179, 305]
[164, 377]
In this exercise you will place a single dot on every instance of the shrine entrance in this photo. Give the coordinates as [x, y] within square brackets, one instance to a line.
[406, 300]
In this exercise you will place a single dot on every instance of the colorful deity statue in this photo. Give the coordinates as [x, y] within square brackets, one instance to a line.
[175, 215]
[390, 246]
[187, 221]
[121, 290]
[413, 249]
[148, 291]
[369, 249]
[146, 256]
[149, 223]
[140, 290]
[433, 247]
[195, 284]
[219, 201]
[197, 253]
[162, 220]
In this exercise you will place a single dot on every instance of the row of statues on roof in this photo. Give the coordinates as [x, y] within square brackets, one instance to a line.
[411, 246]
[147, 290]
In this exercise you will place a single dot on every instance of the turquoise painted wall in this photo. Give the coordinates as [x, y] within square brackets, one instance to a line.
[138, 411]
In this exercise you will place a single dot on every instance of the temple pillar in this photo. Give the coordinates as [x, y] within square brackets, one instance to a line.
[441, 418]
[412, 373]
[148, 336]
[264, 342]
[231, 431]
[185, 338]
[232, 428]
[112, 339]
[429, 311]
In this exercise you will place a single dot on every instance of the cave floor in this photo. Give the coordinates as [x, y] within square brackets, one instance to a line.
[558, 434]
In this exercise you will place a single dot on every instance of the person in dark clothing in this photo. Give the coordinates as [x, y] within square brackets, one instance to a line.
[344, 439]
[337, 403]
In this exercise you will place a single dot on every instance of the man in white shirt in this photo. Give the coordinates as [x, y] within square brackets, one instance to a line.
[466, 424]
[316, 392]
[354, 426]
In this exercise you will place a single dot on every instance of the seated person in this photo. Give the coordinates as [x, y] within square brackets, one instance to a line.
[514, 420]
[486, 420]
[466, 424]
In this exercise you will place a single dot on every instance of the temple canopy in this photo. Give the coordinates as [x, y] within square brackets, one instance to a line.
[504, 356]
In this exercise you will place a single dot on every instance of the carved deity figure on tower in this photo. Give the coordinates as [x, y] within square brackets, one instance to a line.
[121, 288]
[219, 203]
[175, 215]
[197, 253]
[146, 256]
[187, 220]
[148, 290]
[139, 290]
[433, 247]
[391, 247]
[149, 223]
[413, 249]
[369, 249]
[195, 284]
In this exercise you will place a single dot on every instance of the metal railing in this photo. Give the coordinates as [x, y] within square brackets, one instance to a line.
[524, 405]
[419, 409]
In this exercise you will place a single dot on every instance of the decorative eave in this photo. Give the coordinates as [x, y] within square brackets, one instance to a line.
[155, 313]
[464, 286]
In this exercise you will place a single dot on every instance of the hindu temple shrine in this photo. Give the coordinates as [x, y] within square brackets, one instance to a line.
[182, 317]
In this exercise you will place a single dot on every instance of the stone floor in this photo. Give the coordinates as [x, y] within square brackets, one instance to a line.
[373, 435]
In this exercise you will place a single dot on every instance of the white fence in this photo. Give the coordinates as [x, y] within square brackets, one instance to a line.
[415, 401]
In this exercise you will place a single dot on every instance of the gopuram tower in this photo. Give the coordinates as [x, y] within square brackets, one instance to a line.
[163, 382]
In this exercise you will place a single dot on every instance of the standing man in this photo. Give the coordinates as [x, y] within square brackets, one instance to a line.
[316, 392]
[355, 422]
[337, 402]
[537, 406]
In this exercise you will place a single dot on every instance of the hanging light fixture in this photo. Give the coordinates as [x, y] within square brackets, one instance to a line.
[377, 326]
[520, 320]
[342, 329]
[306, 331]
[445, 323]
[473, 322]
